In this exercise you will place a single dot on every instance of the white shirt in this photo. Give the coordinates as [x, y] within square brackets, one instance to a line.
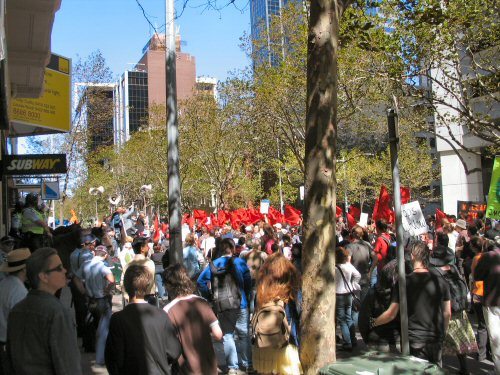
[352, 276]
[12, 291]
[207, 244]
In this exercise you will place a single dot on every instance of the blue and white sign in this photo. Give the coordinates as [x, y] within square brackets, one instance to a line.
[264, 206]
[50, 190]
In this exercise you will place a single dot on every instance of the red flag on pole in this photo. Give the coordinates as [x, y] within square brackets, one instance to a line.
[355, 212]
[338, 212]
[382, 209]
[292, 216]
[440, 215]
[199, 215]
[156, 237]
[405, 194]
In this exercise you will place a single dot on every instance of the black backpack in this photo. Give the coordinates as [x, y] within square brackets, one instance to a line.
[458, 289]
[226, 294]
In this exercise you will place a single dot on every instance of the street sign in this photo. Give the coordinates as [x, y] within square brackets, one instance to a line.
[52, 111]
[493, 209]
[50, 190]
[413, 219]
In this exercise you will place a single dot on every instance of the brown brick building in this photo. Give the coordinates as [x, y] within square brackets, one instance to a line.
[153, 62]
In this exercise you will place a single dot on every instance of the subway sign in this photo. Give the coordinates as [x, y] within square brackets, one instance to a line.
[23, 165]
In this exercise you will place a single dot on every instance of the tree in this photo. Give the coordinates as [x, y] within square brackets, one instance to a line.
[215, 145]
[450, 53]
[318, 285]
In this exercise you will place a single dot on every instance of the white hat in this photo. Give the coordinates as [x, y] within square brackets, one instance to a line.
[277, 225]
[248, 228]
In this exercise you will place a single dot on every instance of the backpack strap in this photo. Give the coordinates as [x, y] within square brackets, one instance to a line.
[347, 284]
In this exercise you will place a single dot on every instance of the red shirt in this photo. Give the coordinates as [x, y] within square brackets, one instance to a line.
[381, 249]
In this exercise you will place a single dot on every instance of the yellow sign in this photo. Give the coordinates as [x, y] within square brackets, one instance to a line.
[493, 209]
[53, 109]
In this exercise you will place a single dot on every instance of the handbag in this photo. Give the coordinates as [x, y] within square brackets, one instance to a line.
[356, 302]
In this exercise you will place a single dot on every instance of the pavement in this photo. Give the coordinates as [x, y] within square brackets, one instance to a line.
[450, 363]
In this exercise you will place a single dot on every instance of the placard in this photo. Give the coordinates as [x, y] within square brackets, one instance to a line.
[413, 219]
[264, 206]
[363, 220]
[470, 210]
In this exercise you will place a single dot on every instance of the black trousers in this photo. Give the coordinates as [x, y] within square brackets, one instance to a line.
[431, 351]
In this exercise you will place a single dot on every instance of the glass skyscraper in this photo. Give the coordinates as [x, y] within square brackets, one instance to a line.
[261, 12]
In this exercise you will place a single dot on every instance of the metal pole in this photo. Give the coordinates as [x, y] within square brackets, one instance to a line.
[279, 176]
[174, 187]
[403, 307]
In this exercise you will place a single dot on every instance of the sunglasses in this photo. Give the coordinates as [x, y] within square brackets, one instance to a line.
[59, 268]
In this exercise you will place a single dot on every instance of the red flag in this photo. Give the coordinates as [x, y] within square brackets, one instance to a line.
[254, 215]
[199, 215]
[355, 212]
[405, 194]
[351, 221]
[235, 219]
[274, 216]
[338, 212]
[440, 215]
[382, 209]
[292, 216]
[156, 237]
[223, 217]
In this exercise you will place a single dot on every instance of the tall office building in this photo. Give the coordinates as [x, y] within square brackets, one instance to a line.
[153, 62]
[261, 12]
[94, 101]
[131, 104]
[143, 87]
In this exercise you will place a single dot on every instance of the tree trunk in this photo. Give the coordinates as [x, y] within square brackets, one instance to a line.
[318, 319]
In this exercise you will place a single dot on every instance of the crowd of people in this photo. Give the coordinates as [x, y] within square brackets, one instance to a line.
[241, 289]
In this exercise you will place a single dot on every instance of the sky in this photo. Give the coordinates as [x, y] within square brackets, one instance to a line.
[120, 31]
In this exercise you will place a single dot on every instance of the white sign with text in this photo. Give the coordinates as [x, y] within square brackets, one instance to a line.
[413, 219]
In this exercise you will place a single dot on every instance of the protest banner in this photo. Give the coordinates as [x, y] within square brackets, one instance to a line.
[413, 219]
[471, 211]
[493, 209]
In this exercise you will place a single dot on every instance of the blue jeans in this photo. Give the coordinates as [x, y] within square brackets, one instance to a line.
[104, 307]
[343, 309]
[159, 285]
[238, 354]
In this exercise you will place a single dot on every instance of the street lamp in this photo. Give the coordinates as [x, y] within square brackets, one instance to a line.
[96, 191]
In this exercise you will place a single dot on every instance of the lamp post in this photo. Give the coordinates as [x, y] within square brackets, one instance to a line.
[96, 191]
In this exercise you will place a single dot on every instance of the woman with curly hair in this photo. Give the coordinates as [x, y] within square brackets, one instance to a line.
[279, 280]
